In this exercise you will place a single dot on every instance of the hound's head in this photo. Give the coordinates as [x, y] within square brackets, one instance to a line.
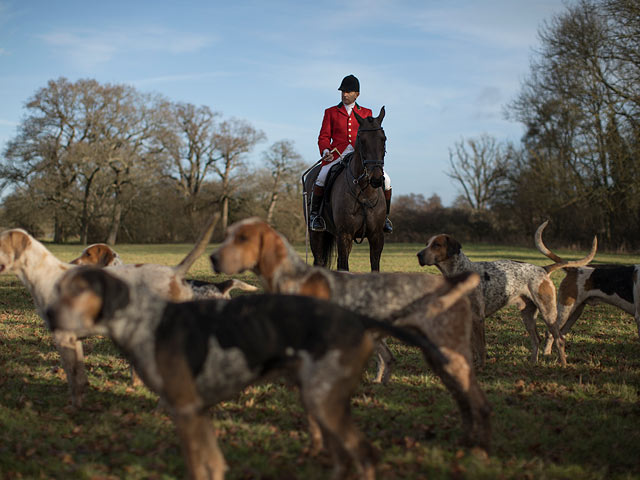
[13, 244]
[98, 254]
[87, 297]
[250, 244]
[439, 249]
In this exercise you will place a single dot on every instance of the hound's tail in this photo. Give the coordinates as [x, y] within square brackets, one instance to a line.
[227, 286]
[460, 285]
[560, 263]
[183, 267]
[410, 337]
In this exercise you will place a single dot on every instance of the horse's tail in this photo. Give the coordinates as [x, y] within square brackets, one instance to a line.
[328, 249]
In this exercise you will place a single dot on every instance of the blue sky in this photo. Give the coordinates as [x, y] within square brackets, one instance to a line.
[443, 69]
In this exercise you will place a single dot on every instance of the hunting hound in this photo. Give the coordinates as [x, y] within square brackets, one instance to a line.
[39, 270]
[196, 354]
[506, 282]
[417, 300]
[102, 255]
[617, 285]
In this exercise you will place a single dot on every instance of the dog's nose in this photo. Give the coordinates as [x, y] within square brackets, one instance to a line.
[421, 258]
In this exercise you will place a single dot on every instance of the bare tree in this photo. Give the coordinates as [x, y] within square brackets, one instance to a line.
[129, 137]
[480, 167]
[580, 106]
[232, 141]
[284, 164]
[58, 121]
[81, 146]
[192, 153]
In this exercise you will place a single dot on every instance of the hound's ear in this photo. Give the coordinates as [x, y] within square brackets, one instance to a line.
[453, 246]
[113, 291]
[381, 115]
[107, 256]
[116, 295]
[19, 241]
[272, 251]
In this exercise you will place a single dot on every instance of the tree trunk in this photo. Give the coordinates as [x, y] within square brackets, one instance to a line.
[115, 223]
[57, 230]
[84, 223]
[272, 206]
[225, 212]
[274, 196]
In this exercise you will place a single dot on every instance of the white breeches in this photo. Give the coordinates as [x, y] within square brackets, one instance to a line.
[322, 176]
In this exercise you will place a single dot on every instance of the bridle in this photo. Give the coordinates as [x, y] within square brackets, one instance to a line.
[377, 163]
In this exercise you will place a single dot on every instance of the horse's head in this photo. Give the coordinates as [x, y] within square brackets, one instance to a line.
[370, 145]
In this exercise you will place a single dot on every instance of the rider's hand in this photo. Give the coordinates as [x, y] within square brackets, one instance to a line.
[327, 156]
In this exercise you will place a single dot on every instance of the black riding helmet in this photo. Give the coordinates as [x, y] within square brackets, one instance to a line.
[349, 84]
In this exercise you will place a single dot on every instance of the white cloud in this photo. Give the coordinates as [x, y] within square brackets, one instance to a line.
[87, 48]
[506, 24]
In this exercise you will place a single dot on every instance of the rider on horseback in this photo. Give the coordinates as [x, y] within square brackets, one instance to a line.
[339, 131]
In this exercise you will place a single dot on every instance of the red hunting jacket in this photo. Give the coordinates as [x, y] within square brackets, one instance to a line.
[339, 130]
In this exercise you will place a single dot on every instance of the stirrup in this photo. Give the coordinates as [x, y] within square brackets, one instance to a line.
[317, 224]
[388, 226]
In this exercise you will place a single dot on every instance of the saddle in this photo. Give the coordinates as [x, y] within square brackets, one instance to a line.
[334, 171]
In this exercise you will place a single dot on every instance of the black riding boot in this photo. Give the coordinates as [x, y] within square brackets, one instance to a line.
[388, 227]
[316, 222]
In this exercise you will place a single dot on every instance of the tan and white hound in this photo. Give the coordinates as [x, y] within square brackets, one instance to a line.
[98, 254]
[39, 270]
[102, 255]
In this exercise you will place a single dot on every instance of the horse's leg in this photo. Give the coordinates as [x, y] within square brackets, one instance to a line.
[344, 242]
[376, 244]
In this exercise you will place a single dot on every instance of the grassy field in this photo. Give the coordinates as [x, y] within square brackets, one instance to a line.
[579, 422]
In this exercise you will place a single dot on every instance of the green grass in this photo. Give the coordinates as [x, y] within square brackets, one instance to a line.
[582, 421]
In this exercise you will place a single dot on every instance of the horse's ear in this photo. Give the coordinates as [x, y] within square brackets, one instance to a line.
[358, 117]
[381, 115]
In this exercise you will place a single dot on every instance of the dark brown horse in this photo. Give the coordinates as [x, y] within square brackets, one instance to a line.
[356, 207]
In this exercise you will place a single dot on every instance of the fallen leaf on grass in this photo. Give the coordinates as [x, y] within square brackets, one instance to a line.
[480, 454]
[410, 442]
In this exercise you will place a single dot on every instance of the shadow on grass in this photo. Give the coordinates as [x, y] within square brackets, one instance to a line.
[551, 422]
